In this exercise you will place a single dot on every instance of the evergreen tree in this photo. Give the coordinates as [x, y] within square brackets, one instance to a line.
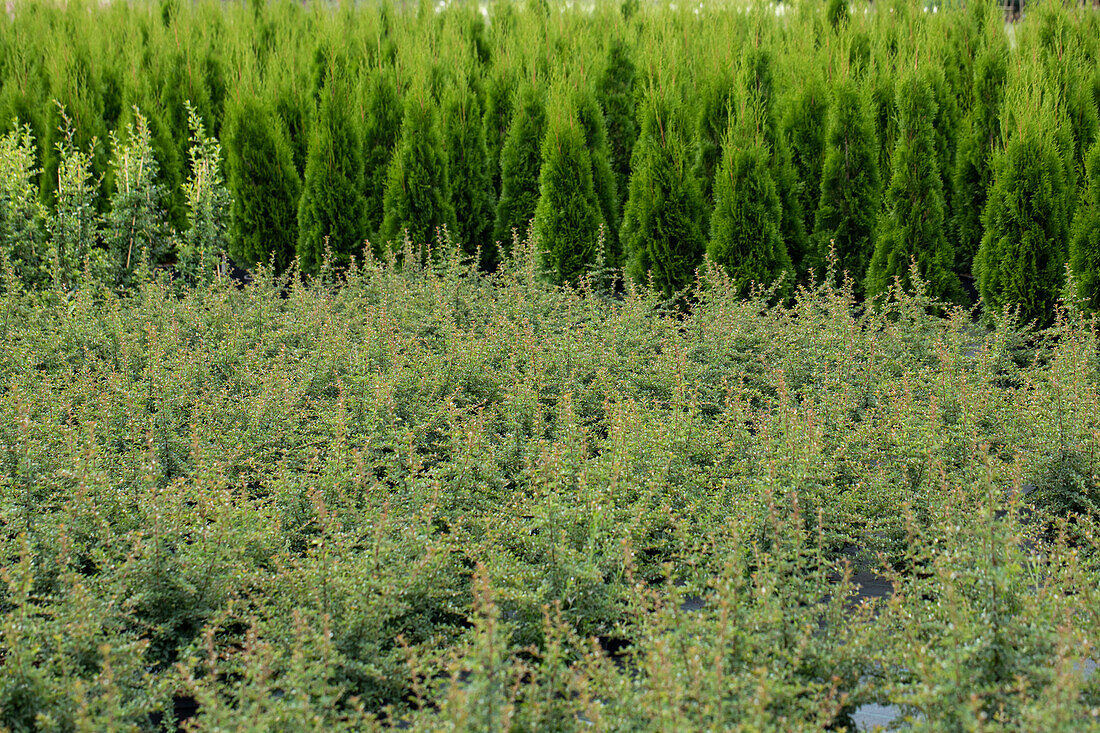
[759, 84]
[567, 219]
[884, 115]
[973, 164]
[712, 126]
[332, 208]
[520, 165]
[1022, 255]
[946, 124]
[805, 127]
[615, 90]
[662, 236]
[295, 109]
[381, 124]
[911, 223]
[603, 178]
[471, 184]
[499, 101]
[744, 227]
[74, 225]
[848, 205]
[418, 189]
[20, 212]
[206, 240]
[137, 232]
[1084, 246]
[264, 184]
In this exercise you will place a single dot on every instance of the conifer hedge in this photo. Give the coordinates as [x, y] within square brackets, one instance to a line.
[311, 109]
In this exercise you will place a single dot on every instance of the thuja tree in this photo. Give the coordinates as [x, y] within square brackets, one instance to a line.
[567, 219]
[73, 226]
[471, 181]
[332, 209]
[911, 224]
[711, 127]
[418, 189]
[1084, 246]
[981, 136]
[758, 83]
[265, 184]
[520, 164]
[500, 90]
[945, 124]
[805, 127]
[136, 232]
[603, 177]
[20, 212]
[849, 201]
[1022, 256]
[615, 90]
[745, 237]
[206, 240]
[662, 235]
[381, 125]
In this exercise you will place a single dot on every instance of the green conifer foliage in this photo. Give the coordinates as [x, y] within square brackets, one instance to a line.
[745, 226]
[471, 184]
[206, 240]
[381, 124]
[137, 232]
[1084, 248]
[20, 212]
[265, 185]
[499, 99]
[74, 224]
[603, 178]
[294, 109]
[418, 187]
[332, 209]
[712, 126]
[848, 206]
[946, 124]
[805, 127]
[567, 218]
[837, 13]
[616, 93]
[662, 236]
[911, 223]
[759, 84]
[974, 162]
[1023, 252]
[520, 165]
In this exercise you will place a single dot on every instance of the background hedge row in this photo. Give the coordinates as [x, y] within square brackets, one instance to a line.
[626, 136]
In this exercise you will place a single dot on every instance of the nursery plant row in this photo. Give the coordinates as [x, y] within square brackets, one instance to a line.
[646, 137]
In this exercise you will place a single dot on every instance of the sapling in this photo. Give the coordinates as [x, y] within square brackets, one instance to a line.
[203, 246]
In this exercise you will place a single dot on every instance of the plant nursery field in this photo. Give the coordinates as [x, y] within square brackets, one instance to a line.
[549, 367]
[443, 500]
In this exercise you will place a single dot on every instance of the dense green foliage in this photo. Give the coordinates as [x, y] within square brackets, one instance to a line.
[265, 187]
[1085, 242]
[441, 499]
[745, 238]
[567, 220]
[370, 121]
[663, 232]
[520, 166]
[470, 176]
[911, 226]
[417, 202]
[332, 209]
[1021, 261]
[849, 187]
